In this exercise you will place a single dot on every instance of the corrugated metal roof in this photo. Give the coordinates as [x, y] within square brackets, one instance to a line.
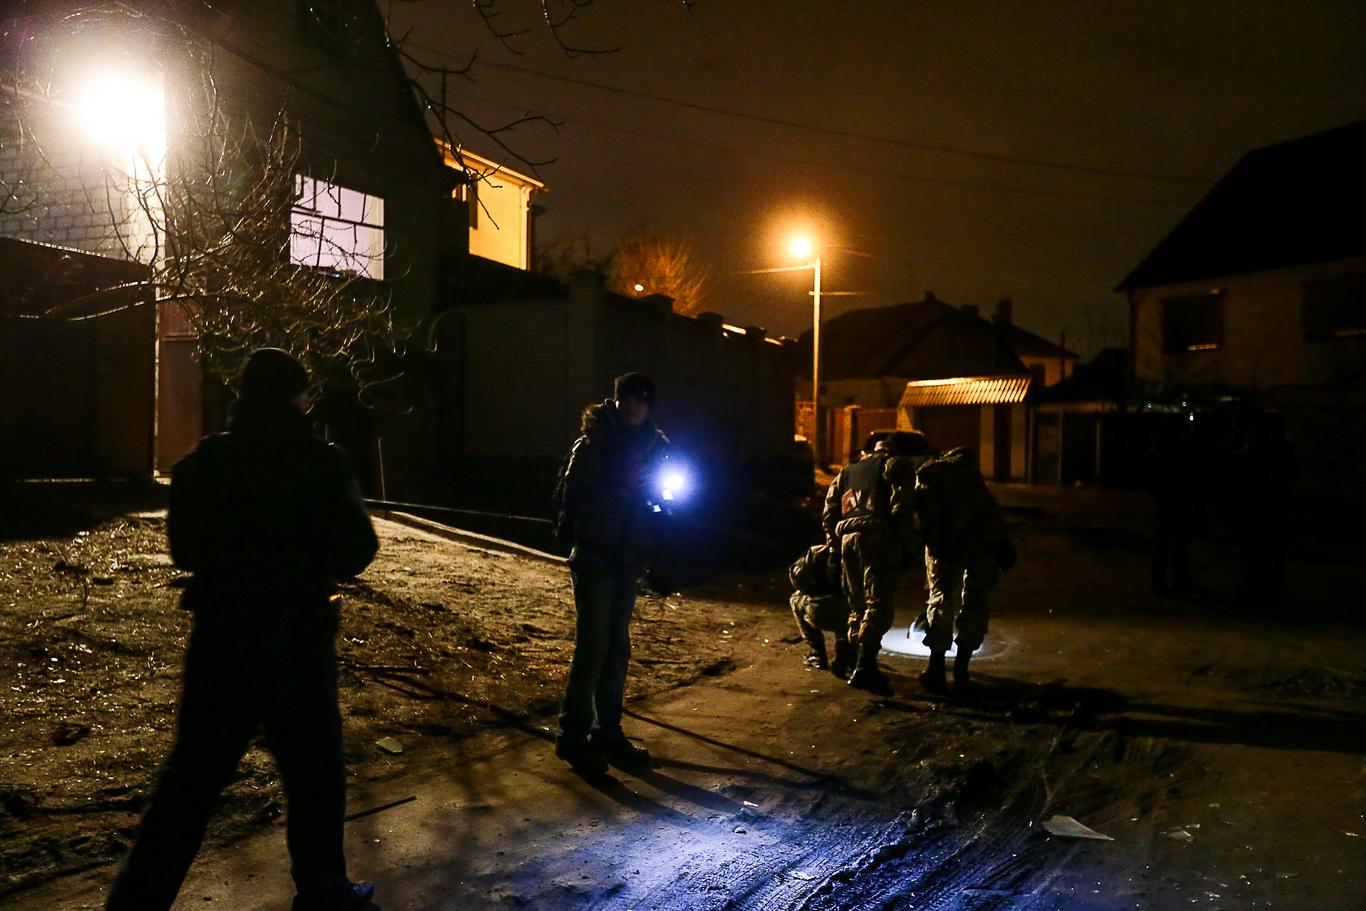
[965, 390]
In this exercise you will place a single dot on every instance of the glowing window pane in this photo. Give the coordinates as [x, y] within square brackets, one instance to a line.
[336, 229]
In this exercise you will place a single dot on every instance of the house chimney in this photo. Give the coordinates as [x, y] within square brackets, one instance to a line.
[1004, 311]
[711, 320]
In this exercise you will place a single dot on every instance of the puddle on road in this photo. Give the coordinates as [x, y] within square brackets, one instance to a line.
[902, 640]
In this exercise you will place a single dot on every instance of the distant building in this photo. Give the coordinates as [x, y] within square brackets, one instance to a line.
[938, 368]
[1259, 294]
[501, 205]
[1263, 284]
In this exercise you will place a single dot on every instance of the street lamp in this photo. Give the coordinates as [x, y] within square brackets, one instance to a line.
[803, 247]
[125, 111]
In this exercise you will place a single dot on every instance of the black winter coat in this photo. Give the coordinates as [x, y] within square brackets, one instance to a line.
[267, 517]
[606, 490]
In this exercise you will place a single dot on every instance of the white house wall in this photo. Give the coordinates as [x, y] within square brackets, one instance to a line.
[500, 222]
[1263, 346]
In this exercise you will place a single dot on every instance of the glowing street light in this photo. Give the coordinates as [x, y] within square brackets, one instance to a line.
[804, 247]
[125, 111]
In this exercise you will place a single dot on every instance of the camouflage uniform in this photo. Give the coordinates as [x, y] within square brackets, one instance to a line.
[868, 516]
[818, 605]
[966, 543]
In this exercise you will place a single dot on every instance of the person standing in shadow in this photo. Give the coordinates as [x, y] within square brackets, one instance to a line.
[268, 518]
[1175, 474]
[1264, 471]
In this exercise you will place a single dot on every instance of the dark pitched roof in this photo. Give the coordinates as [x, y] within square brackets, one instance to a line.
[923, 340]
[1026, 344]
[1284, 205]
[1104, 379]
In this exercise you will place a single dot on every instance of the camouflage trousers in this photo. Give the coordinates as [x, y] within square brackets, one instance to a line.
[869, 563]
[960, 587]
[814, 615]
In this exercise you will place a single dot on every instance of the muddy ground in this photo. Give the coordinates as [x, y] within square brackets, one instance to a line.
[437, 642]
[1223, 753]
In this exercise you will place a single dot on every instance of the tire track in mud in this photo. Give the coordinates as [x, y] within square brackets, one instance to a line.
[853, 856]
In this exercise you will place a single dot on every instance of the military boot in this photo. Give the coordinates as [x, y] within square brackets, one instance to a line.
[962, 681]
[348, 897]
[868, 676]
[845, 656]
[932, 678]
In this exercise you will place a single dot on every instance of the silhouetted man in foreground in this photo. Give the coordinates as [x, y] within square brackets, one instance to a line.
[605, 510]
[268, 518]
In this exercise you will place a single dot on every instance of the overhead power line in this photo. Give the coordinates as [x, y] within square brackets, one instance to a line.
[847, 134]
[849, 168]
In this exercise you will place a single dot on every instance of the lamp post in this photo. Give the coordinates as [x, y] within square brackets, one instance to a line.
[803, 247]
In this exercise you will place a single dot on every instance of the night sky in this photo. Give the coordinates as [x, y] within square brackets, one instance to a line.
[1146, 103]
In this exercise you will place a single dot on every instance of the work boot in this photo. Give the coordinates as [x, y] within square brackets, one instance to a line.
[868, 676]
[932, 678]
[582, 757]
[614, 748]
[845, 656]
[961, 679]
[350, 897]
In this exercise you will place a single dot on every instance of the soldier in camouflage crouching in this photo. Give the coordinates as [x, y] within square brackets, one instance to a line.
[818, 605]
[869, 518]
[967, 548]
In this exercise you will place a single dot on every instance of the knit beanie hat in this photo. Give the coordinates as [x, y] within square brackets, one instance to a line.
[635, 385]
[271, 373]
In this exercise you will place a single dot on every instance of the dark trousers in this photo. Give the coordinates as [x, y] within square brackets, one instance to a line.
[232, 689]
[604, 596]
[1171, 548]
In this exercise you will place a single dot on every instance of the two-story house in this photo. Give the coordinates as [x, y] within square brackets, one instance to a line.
[1259, 293]
[245, 85]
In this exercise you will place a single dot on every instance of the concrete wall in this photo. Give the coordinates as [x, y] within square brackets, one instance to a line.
[1264, 345]
[529, 367]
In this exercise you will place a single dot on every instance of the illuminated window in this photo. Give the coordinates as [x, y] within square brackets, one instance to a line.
[1335, 308]
[1193, 323]
[336, 230]
[469, 193]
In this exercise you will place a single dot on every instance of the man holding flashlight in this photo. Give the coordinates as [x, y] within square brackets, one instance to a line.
[607, 510]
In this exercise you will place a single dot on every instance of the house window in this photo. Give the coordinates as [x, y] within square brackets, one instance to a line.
[1193, 323]
[469, 193]
[336, 229]
[1335, 308]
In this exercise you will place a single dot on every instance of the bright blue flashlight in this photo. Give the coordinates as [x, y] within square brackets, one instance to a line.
[673, 483]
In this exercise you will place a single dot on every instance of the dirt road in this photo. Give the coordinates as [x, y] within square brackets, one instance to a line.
[1224, 757]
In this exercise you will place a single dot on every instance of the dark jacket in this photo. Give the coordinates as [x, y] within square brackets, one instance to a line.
[956, 510]
[608, 481]
[267, 516]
